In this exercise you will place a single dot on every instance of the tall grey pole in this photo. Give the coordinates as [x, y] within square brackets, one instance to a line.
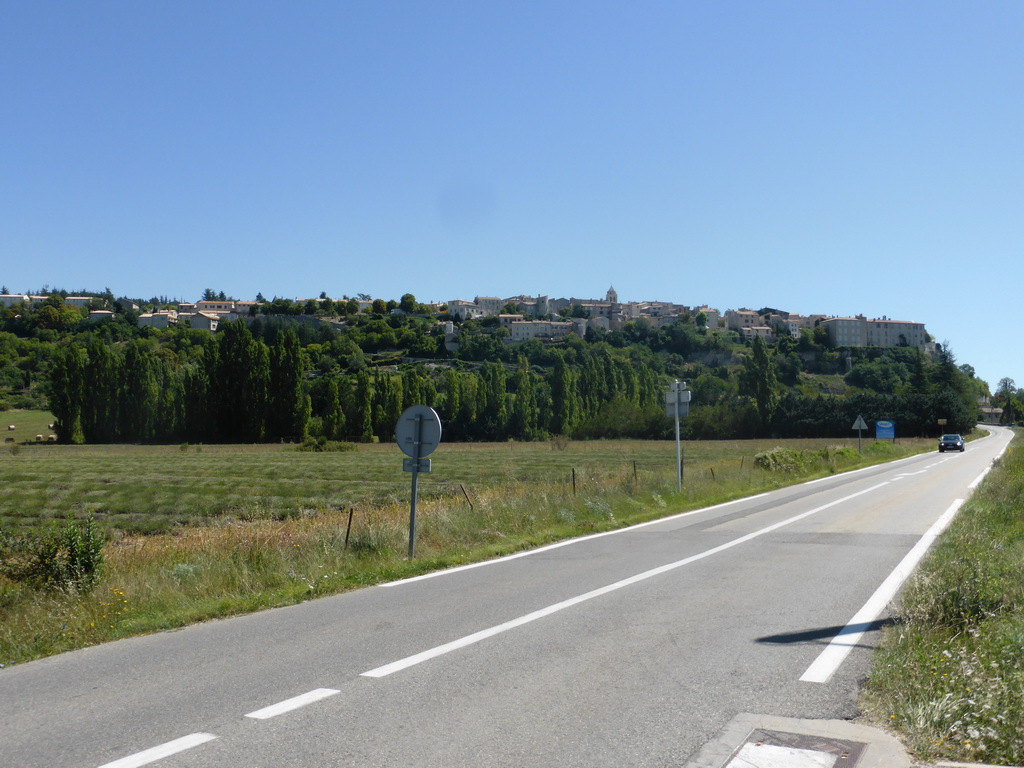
[417, 450]
[679, 451]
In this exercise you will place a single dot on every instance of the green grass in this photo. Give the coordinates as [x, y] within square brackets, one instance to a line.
[949, 675]
[27, 424]
[150, 489]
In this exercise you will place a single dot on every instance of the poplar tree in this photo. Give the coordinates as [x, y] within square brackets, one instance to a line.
[565, 410]
[525, 417]
[362, 408]
[333, 415]
[760, 382]
[288, 406]
[241, 385]
[67, 392]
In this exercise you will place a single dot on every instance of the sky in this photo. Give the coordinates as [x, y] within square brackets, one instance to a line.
[835, 157]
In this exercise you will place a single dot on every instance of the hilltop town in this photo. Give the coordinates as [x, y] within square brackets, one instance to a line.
[524, 317]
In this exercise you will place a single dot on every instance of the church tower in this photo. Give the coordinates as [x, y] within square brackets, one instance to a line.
[612, 296]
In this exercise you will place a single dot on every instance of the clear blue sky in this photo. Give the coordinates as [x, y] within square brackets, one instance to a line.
[817, 157]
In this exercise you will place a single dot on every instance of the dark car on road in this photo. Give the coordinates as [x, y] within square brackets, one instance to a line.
[951, 443]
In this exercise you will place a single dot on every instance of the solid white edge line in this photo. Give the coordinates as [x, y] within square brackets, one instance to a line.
[293, 703]
[462, 642]
[670, 518]
[979, 478]
[835, 653]
[164, 750]
[566, 543]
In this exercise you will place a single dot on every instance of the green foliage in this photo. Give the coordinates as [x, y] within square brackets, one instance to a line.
[780, 460]
[323, 445]
[759, 381]
[68, 559]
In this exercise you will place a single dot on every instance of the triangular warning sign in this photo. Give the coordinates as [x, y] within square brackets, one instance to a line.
[859, 423]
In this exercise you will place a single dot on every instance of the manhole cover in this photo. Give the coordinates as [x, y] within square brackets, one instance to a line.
[778, 749]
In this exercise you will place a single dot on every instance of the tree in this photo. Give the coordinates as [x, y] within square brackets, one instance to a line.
[66, 391]
[759, 381]
[524, 419]
[360, 420]
[408, 303]
[140, 393]
[241, 385]
[493, 407]
[288, 405]
[565, 408]
[333, 415]
[379, 307]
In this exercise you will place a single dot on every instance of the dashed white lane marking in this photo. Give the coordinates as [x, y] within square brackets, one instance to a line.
[476, 637]
[829, 660]
[164, 750]
[294, 703]
[771, 756]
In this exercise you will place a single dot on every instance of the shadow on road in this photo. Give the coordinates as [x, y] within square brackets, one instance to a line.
[824, 635]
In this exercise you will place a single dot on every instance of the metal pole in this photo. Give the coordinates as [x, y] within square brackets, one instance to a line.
[417, 449]
[412, 511]
[679, 452]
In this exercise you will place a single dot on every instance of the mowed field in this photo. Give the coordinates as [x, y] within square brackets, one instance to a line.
[146, 489]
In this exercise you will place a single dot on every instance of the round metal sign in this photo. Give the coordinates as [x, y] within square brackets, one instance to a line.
[418, 431]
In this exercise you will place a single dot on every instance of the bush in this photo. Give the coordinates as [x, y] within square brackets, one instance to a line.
[323, 445]
[779, 460]
[68, 559]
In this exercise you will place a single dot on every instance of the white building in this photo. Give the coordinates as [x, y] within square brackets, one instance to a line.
[859, 331]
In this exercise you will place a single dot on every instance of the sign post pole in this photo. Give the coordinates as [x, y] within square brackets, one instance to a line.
[418, 429]
[677, 404]
[417, 433]
[859, 425]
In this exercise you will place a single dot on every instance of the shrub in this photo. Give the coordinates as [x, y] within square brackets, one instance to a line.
[779, 460]
[69, 559]
[323, 445]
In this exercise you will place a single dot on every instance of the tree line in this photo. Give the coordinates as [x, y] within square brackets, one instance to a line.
[234, 387]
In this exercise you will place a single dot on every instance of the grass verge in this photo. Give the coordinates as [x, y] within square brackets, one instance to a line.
[949, 675]
[481, 501]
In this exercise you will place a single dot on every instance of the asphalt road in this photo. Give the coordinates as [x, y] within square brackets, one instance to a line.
[629, 648]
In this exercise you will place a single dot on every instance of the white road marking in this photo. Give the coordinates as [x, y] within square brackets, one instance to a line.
[828, 660]
[294, 703]
[569, 542]
[164, 750]
[979, 478]
[566, 543]
[911, 474]
[476, 637]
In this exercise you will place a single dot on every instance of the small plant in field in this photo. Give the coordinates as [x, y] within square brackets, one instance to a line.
[323, 445]
[14, 448]
[113, 608]
[69, 559]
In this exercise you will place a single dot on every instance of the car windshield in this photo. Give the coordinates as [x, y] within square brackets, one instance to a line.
[950, 438]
